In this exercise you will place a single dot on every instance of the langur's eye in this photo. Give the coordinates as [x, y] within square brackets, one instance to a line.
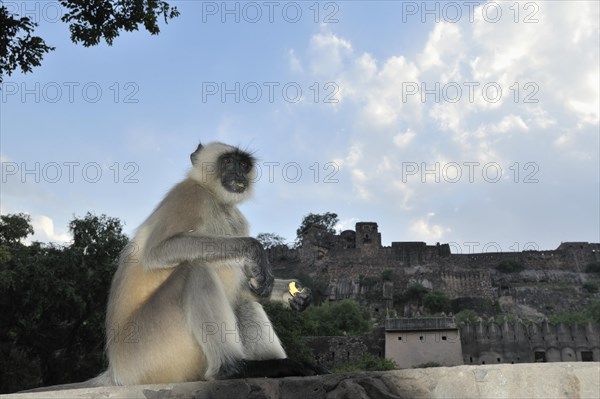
[244, 165]
[227, 160]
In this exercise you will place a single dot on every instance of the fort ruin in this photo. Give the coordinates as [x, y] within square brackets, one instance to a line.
[354, 264]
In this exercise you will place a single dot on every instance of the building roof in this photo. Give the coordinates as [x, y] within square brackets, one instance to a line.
[420, 324]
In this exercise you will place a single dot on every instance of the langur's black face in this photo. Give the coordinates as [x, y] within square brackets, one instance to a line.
[234, 169]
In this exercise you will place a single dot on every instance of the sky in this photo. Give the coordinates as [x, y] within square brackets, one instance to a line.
[470, 123]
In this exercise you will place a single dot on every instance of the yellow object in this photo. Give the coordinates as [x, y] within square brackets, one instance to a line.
[293, 289]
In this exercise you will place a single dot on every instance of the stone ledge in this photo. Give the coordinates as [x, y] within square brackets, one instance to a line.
[534, 380]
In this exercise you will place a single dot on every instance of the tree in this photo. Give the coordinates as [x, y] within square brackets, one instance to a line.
[367, 362]
[590, 287]
[270, 240]
[593, 267]
[327, 220]
[436, 301]
[387, 275]
[318, 285]
[18, 48]
[89, 23]
[289, 326]
[343, 318]
[466, 316]
[509, 266]
[52, 303]
[589, 315]
[415, 293]
[14, 228]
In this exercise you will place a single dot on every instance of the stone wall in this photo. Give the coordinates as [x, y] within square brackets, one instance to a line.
[533, 381]
[476, 284]
[484, 343]
[335, 351]
[348, 260]
[481, 343]
[412, 342]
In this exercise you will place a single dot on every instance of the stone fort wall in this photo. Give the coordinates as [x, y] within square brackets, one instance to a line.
[492, 343]
[482, 343]
[348, 258]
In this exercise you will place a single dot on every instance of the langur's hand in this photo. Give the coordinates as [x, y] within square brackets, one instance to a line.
[301, 296]
[258, 269]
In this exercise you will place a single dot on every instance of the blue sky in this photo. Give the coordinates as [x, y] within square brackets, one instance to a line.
[474, 125]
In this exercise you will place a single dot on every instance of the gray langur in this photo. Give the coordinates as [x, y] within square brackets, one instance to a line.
[183, 304]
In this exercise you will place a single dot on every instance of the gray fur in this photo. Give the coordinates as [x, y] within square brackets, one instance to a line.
[183, 302]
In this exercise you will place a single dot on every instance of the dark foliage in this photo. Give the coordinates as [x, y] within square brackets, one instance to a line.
[592, 267]
[93, 20]
[436, 301]
[270, 240]
[52, 302]
[327, 220]
[89, 21]
[19, 48]
[509, 266]
[414, 293]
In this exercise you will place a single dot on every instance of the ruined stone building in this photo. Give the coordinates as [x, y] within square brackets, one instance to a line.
[416, 341]
[520, 343]
[354, 264]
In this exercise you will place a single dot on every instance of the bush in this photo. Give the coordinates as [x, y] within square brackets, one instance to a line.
[466, 316]
[369, 281]
[509, 266]
[436, 301]
[593, 267]
[289, 325]
[590, 315]
[387, 275]
[426, 365]
[415, 292]
[52, 301]
[570, 318]
[343, 318]
[367, 362]
[594, 312]
[590, 287]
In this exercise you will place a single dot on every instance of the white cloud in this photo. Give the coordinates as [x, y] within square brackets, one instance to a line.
[380, 92]
[359, 178]
[547, 105]
[490, 54]
[354, 155]
[402, 140]
[587, 103]
[347, 224]
[509, 124]
[295, 65]
[384, 166]
[328, 54]
[44, 231]
[405, 193]
[424, 230]
[538, 117]
[445, 41]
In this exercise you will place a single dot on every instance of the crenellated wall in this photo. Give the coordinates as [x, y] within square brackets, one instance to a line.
[353, 264]
[484, 343]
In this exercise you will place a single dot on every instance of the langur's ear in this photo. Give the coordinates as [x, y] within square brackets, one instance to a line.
[194, 154]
